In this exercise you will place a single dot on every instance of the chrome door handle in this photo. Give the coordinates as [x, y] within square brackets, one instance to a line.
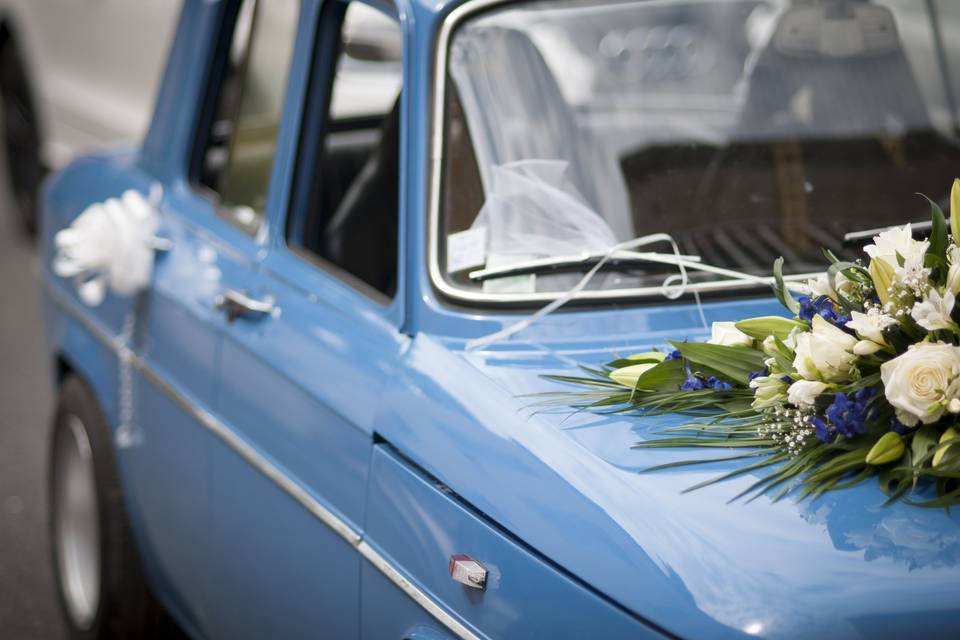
[236, 303]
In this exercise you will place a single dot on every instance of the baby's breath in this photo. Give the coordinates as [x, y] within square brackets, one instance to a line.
[790, 428]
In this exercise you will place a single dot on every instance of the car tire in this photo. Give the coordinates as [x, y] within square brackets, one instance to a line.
[21, 135]
[102, 590]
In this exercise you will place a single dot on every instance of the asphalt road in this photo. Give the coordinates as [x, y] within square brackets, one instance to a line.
[28, 608]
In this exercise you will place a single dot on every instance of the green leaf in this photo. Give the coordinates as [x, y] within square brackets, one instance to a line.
[780, 289]
[764, 326]
[784, 364]
[853, 272]
[637, 358]
[955, 210]
[669, 374]
[923, 441]
[735, 363]
[938, 232]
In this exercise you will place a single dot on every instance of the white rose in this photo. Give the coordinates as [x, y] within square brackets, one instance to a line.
[825, 354]
[933, 312]
[727, 334]
[767, 391]
[898, 240]
[916, 381]
[803, 393]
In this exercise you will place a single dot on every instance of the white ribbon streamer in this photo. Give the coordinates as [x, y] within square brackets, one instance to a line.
[636, 243]
[672, 288]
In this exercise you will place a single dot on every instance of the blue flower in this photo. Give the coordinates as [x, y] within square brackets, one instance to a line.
[828, 313]
[823, 431]
[899, 427]
[692, 383]
[674, 355]
[696, 383]
[757, 374]
[822, 306]
[807, 308]
[841, 323]
[848, 417]
[819, 306]
[719, 385]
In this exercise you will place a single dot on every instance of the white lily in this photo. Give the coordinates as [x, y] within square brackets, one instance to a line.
[933, 312]
[870, 327]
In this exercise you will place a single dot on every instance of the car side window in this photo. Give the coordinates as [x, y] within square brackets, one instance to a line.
[240, 145]
[345, 212]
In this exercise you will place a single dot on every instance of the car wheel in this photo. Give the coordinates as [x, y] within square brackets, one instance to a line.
[21, 136]
[103, 593]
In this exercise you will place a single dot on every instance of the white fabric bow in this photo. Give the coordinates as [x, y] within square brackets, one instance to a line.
[111, 244]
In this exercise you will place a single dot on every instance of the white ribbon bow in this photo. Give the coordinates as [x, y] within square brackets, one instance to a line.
[111, 244]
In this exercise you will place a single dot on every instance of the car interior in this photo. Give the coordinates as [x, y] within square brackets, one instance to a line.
[346, 211]
[826, 137]
[824, 144]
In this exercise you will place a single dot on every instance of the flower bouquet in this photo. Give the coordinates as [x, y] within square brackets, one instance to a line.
[862, 381]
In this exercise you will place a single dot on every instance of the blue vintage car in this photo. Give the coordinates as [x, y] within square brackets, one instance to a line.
[298, 428]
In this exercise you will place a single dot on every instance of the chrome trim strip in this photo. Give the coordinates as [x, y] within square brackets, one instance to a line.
[251, 455]
[256, 460]
[418, 596]
[433, 205]
[869, 233]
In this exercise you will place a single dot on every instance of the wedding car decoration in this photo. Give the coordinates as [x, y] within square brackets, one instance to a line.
[110, 245]
[862, 381]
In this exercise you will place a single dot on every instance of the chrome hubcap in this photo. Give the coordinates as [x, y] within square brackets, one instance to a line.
[77, 527]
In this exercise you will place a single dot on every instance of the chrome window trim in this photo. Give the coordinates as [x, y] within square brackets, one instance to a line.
[435, 171]
[258, 461]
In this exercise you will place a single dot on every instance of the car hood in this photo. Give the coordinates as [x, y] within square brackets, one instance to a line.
[692, 563]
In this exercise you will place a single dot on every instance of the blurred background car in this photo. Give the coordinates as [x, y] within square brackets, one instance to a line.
[78, 76]
[75, 76]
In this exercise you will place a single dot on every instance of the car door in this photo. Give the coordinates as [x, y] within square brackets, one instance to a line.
[214, 224]
[300, 376]
[167, 448]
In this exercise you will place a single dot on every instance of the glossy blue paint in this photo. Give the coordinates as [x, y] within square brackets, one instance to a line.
[415, 522]
[690, 563]
[578, 542]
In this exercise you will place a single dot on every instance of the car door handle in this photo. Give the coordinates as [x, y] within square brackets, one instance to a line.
[237, 303]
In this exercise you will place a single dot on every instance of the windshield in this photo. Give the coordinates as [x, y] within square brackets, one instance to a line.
[745, 129]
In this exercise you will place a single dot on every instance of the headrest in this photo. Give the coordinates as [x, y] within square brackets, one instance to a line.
[836, 29]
